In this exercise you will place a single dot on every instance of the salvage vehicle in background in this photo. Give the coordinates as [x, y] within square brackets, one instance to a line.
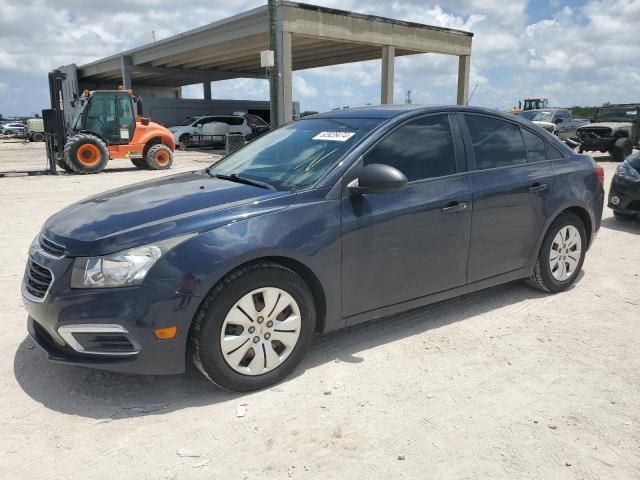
[194, 126]
[13, 128]
[613, 129]
[557, 121]
[326, 222]
[35, 130]
[624, 194]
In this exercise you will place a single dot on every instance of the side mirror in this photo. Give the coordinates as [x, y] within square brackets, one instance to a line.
[145, 121]
[377, 178]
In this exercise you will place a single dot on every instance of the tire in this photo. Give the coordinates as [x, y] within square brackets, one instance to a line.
[623, 217]
[159, 157]
[548, 280]
[239, 373]
[37, 137]
[140, 163]
[621, 149]
[63, 165]
[86, 153]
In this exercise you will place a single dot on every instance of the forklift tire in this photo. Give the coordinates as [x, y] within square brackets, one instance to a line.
[85, 153]
[140, 163]
[159, 157]
[63, 165]
[37, 137]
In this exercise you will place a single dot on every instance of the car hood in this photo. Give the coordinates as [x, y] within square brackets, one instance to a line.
[150, 211]
[612, 125]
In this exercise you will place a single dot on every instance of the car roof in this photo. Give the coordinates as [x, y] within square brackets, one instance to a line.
[388, 112]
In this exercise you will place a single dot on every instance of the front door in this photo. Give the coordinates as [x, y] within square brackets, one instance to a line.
[407, 244]
[509, 195]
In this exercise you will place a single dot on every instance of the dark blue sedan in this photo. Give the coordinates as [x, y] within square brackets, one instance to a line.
[330, 221]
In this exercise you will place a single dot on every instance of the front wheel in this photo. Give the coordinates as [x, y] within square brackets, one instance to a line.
[86, 153]
[621, 149]
[561, 255]
[254, 328]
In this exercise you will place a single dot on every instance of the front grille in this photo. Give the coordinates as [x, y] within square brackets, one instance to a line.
[37, 279]
[50, 247]
[594, 132]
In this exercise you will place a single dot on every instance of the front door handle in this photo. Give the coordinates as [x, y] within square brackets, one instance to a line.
[537, 187]
[455, 207]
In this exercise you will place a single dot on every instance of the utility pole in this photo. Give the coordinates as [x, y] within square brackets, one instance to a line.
[408, 97]
[274, 77]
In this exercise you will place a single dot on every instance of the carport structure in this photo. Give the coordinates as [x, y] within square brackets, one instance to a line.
[308, 36]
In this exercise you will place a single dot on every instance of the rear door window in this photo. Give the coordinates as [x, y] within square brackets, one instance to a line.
[496, 143]
[553, 153]
[536, 150]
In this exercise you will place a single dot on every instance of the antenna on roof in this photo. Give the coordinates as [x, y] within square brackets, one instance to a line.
[470, 96]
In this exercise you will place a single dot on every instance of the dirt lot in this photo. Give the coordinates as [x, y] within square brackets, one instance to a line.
[508, 383]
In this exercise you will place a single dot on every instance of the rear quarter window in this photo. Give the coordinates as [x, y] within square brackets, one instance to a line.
[554, 153]
[536, 150]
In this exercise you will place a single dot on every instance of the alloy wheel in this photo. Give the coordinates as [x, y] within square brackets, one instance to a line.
[260, 331]
[565, 253]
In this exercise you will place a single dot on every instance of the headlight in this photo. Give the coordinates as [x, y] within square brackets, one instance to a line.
[121, 269]
[627, 171]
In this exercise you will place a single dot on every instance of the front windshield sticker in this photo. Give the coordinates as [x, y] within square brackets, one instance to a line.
[334, 136]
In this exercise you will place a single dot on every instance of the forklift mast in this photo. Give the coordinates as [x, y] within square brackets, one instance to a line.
[54, 122]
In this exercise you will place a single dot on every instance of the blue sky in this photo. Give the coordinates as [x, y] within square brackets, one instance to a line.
[574, 52]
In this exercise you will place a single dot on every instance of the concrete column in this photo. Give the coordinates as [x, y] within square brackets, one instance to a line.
[206, 87]
[464, 64]
[388, 57]
[125, 64]
[286, 80]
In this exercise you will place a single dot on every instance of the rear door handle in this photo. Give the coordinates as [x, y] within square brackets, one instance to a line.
[455, 207]
[537, 187]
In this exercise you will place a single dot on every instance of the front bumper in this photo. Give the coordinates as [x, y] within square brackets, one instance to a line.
[627, 192]
[596, 144]
[111, 329]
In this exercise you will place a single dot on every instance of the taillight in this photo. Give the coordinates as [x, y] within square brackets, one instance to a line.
[600, 174]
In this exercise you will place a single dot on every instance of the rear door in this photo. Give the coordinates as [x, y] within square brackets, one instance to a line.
[510, 185]
[404, 245]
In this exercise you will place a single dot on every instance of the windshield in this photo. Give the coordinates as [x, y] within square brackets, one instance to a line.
[627, 114]
[187, 122]
[294, 157]
[536, 116]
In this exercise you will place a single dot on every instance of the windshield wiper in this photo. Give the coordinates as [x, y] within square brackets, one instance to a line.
[232, 177]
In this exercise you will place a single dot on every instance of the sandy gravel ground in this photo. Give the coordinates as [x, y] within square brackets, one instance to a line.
[508, 383]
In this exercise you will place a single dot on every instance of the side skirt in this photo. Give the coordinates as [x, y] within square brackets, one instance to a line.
[437, 297]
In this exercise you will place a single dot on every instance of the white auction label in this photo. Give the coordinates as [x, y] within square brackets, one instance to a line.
[334, 136]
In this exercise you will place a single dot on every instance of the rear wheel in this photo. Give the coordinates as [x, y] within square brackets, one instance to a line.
[253, 328]
[561, 255]
[37, 137]
[140, 163]
[86, 153]
[159, 157]
[621, 149]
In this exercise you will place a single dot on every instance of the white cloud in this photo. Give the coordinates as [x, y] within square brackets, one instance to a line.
[583, 54]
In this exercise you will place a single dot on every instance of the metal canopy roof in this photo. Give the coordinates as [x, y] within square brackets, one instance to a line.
[230, 48]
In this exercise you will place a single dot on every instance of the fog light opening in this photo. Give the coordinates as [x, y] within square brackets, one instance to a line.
[615, 200]
[167, 333]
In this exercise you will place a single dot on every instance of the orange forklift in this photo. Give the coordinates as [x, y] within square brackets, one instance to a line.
[105, 125]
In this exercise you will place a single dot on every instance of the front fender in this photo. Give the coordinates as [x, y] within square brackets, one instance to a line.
[307, 232]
